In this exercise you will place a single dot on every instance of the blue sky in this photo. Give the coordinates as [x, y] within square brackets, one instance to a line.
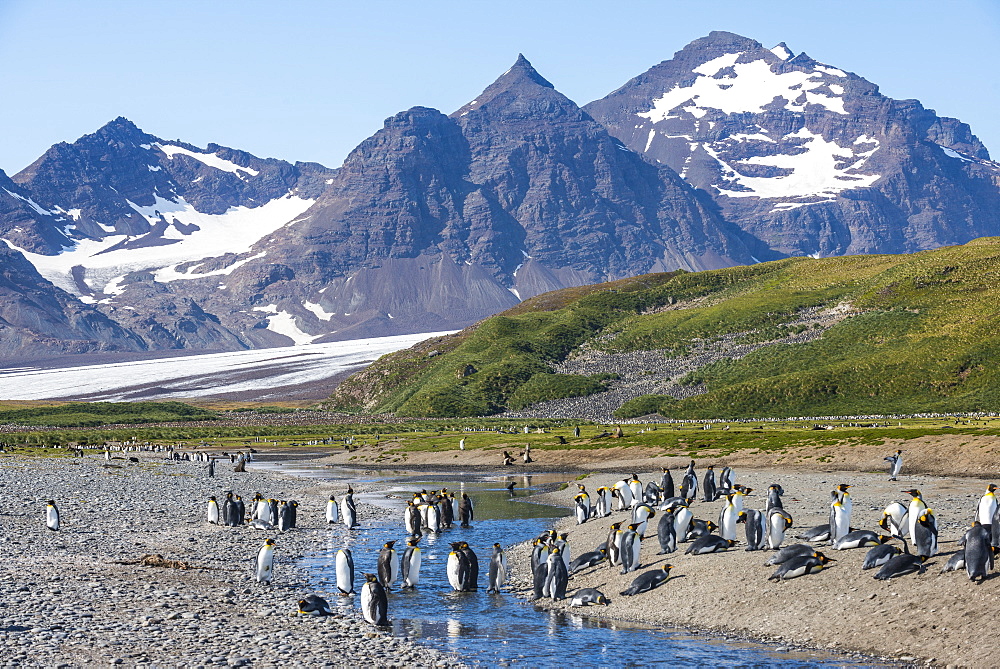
[309, 80]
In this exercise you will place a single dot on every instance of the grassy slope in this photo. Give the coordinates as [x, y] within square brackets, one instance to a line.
[923, 341]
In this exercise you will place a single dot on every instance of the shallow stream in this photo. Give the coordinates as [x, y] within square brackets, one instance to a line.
[496, 629]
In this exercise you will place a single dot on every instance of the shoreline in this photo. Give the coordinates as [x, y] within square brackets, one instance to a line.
[930, 618]
[78, 596]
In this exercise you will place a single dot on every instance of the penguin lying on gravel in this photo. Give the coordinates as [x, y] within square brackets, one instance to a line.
[789, 552]
[879, 555]
[818, 533]
[800, 566]
[902, 564]
[956, 562]
[587, 560]
[587, 596]
[314, 605]
[859, 539]
[648, 580]
[711, 543]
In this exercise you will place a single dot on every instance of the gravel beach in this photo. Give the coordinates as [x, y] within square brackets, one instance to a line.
[78, 596]
[933, 618]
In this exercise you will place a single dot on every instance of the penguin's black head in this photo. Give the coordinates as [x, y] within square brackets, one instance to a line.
[884, 539]
[371, 578]
[913, 493]
[712, 467]
[991, 487]
[843, 487]
[496, 545]
[269, 542]
[389, 544]
[212, 497]
[667, 567]
[601, 599]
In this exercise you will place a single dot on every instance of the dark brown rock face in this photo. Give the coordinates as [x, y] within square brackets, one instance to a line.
[807, 158]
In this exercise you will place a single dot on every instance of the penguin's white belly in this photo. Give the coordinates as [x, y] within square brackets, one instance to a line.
[265, 564]
[452, 569]
[344, 583]
[332, 515]
[413, 572]
[368, 603]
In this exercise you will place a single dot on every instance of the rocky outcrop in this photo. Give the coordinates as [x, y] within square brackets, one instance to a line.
[810, 159]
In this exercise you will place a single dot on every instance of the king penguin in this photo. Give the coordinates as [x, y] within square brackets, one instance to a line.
[727, 519]
[925, 534]
[895, 464]
[332, 511]
[498, 569]
[709, 484]
[913, 511]
[457, 567]
[265, 562]
[314, 605]
[978, 552]
[557, 577]
[411, 563]
[52, 516]
[987, 506]
[666, 484]
[213, 510]
[665, 533]
[756, 529]
[345, 572]
[374, 603]
[648, 580]
[347, 509]
[388, 565]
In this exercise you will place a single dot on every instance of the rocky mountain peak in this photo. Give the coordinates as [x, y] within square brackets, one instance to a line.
[521, 89]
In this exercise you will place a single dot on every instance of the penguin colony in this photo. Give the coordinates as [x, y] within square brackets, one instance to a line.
[904, 539]
[434, 511]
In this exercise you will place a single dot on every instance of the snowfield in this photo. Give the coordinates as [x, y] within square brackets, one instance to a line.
[296, 372]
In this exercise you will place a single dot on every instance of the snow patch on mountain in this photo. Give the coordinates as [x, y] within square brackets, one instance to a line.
[732, 88]
[171, 273]
[822, 168]
[190, 235]
[318, 311]
[209, 159]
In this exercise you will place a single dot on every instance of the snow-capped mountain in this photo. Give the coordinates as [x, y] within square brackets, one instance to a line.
[730, 153]
[808, 158]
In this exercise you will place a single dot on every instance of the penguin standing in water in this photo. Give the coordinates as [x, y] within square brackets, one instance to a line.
[345, 572]
[895, 464]
[778, 522]
[978, 552]
[374, 603]
[411, 563]
[709, 484]
[213, 510]
[388, 565]
[498, 569]
[756, 530]
[666, 533]
[347, 509]
[987, 506]
[913, 511]
[465, 510]
[646, 581]
[556, 578]
[52, 516]
[666, 484]
[472, 582]
[265, 562]
[332, 511]
[925, 537]
[458, 568]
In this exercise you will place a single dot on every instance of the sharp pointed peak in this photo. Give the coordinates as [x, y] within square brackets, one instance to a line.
[522, 67]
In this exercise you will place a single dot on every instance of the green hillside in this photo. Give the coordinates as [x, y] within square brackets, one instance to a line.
[918, 333]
